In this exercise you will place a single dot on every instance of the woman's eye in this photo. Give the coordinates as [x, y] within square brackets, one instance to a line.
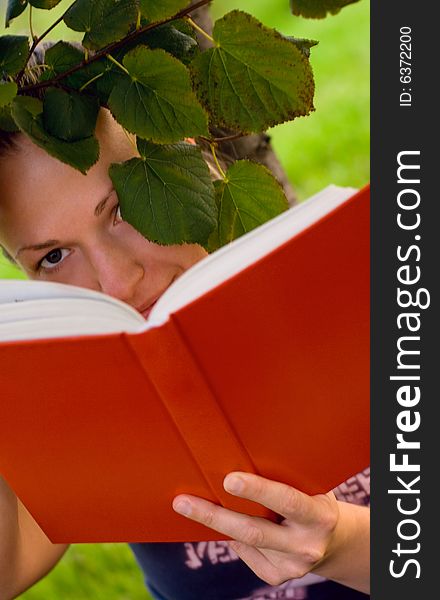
[118, 216]
[54, 258]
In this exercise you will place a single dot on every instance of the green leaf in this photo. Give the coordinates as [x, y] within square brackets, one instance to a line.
[303, 44]
[27, 113]
[7, 123]
[98, 77]
[8, 91]
[318, 9]
[104, 21]
[157, 10]
[105, 84]
[155, 99]
[168, 37]
[181, 45]
[254, 78]
[69, 116]
[31, 105]
[167, 194]
[14, 9]
[248, 197]
[14, 50]
[47, 4]
[183, 26]
[60, 58]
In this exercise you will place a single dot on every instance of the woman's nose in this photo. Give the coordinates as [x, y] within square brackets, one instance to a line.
[118, 274]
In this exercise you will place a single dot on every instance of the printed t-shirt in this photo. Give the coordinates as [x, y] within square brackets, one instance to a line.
[212, 570]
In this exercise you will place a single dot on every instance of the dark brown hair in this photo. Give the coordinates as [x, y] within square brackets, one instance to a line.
[32, 74]
[8, 139]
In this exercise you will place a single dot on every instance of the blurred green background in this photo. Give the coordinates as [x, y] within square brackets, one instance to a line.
[330, 146]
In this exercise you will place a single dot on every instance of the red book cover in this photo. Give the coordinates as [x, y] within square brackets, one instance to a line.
[268, 372]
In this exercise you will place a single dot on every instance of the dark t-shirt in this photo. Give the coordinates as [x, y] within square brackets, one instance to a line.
[212, 571]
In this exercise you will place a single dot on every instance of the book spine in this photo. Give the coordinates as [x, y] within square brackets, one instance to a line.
[191, 404]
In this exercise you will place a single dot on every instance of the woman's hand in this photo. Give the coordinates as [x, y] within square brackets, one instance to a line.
[317, 533]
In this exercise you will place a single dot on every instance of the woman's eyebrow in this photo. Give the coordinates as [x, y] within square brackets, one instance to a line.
[41, 246]
[101, 205]
[48, 243]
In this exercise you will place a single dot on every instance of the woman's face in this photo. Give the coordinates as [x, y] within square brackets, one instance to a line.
[60, 225]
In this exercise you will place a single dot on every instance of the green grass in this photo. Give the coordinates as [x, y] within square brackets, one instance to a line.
[92, 572]
[8, 271]
[330, 146]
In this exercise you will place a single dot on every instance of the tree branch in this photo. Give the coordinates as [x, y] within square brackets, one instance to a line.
[35, 43]
[111, 47]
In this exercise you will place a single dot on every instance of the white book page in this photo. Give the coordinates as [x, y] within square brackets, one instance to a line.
[49, 318]
[20, 290]
[55, 327]
[37, 309]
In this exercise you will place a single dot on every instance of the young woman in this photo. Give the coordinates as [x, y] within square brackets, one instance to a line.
[59, 225]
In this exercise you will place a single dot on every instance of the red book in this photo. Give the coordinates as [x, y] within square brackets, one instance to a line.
[256, 359]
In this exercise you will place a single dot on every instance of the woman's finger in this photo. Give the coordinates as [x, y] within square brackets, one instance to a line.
[258, 562]
[253, 531]
[273, 566]
[278, 497]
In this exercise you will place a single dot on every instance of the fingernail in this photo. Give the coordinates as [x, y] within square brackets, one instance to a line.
[183, 507]
[233, 484]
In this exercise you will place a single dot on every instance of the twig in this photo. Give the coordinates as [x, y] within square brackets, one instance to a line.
[87, 83]
[110, 48]
[35, 43]
[222, 173]
[118, 64]
[31, 28]
[200, 30]
[226, 138]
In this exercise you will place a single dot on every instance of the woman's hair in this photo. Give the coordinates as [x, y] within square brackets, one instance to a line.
[7, 146]
[7, 142]
[8, 139]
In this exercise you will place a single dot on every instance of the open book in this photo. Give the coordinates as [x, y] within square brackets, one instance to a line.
[255, 359]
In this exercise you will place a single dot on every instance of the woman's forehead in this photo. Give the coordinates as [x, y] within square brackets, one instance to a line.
[29, 173]
[31, 177]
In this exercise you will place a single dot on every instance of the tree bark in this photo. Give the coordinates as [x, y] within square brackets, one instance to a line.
[256, 147]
